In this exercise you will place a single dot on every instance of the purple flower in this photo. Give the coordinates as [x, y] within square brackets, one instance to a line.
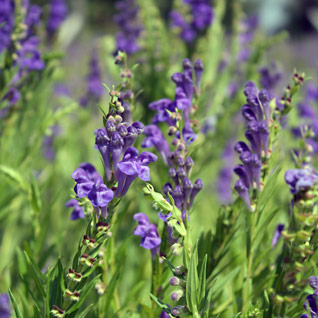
[94, 82]
[270, 77]
[155, 138]
[5, 310]
[33, 17]
[257, 115]
[7, 8]
[300, 180]
[130, 28]
[148, 232]
[313, 282]
[90, 184]
[29, 56]
[131, 167]
[78, 212]
[278, 234]
[311, 304]
[201, 16]
[58, 13]
[243, 192]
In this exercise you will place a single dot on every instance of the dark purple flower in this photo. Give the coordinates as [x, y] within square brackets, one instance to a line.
[148, 232]
[5, 310]
[7, 8]
[311, 304]
[243, 192]
[155, 138]
[130, 28]
[78, 212]
[57, 14]
[278, 234]
[131, 167]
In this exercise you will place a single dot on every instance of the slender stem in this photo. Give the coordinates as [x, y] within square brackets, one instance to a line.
[249, 264]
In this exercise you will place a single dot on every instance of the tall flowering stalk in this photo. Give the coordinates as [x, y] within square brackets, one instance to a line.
[98, 196]
[175, 203]
[263, 118]
[300, 236]
[130, 26]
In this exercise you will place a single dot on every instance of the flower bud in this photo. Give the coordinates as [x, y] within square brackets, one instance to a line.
[176, 295]
[174, 281]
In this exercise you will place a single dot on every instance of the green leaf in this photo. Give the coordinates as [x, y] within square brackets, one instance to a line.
[35, 195]
[36, 273]
[83, 313]
[192, 283]
[202, 278]
[206, 304]
[15, 305]
[161, 305]
[15, 176]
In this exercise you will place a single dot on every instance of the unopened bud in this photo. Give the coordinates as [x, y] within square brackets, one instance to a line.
[176, 295]
[174, 281]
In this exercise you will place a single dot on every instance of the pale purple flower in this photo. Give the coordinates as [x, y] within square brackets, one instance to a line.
[149, 234]
[131, 167]
[5, 310]
[155, 138]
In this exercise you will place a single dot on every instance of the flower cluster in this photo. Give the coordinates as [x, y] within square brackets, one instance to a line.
[130, 28]
[257, 115]
[183, 191]
[6, 23]
[195, 22]
[57, 14]
[27, 55]
[149, 235]
[187, 85]
[94, 82]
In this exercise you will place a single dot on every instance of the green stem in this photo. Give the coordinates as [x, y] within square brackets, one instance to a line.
[249, 264]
